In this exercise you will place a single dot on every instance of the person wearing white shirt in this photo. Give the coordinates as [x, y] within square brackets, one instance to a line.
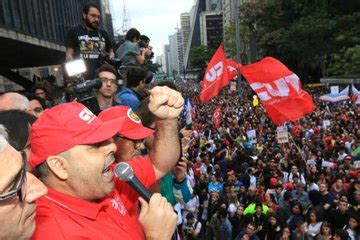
[294, 170]
[312, 185]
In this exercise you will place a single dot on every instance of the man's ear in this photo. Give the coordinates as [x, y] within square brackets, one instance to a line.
[59, 166]
[84, 16]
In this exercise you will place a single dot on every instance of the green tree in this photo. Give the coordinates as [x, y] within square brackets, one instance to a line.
[313, 38]
[199, 58]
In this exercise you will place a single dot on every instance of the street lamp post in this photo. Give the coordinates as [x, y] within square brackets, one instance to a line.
[237, 39]
[184, 72]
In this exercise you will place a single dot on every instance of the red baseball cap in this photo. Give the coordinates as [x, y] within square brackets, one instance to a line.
[65, 126]
[273, 181]
[132, 127]
[289, 186]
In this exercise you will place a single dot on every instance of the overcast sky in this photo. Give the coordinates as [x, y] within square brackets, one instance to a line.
[155, 18]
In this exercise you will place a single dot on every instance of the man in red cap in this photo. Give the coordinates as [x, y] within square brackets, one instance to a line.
[130, 138]
[73, 151]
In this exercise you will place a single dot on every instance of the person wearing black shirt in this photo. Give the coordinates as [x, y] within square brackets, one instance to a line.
[87, 41]
[339, 217]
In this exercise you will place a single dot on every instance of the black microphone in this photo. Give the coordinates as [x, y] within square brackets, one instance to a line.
[125, 173]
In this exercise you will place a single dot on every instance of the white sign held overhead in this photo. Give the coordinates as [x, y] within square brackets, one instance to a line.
[326, 124]
[282, 134]
[252, 136]
[334, 89]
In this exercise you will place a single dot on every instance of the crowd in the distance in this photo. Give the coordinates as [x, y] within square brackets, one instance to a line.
[56, 165]
[306, 189]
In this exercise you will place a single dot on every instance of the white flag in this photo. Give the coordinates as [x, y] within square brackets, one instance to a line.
[354, 90]
[356, 93]
[345, 91]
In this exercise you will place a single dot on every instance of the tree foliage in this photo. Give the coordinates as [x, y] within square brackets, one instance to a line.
[199, 58]
[313, 38]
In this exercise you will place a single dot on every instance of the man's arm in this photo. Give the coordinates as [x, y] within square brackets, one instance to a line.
[108, 44]
[166, 104]
[69, 53]
[141, 57]
[181, 189]
[111, 53]
[70, 43]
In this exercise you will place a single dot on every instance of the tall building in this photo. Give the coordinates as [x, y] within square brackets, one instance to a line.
[194, 37]
[192, 16]
[163, 63]
[166, 60]
[211, 28]
[180, 51]
[228, 9]
[106, 20]
[176, 54]
[173, 55]
[158, 60]
[213, 5]
[185, 30]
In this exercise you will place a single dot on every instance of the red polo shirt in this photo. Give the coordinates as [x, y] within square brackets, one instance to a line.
[61, 216]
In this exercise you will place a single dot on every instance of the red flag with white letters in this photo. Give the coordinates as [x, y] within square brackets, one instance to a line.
[216, 76]
[279, 90]
[217, 117]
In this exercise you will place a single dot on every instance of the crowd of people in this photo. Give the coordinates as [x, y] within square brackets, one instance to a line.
[208, 180]
[307, 188]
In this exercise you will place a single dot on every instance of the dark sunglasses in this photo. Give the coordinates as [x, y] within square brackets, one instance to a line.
[19, 189]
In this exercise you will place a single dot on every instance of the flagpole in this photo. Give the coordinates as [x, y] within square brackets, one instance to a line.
[237, 39]
[298, 148]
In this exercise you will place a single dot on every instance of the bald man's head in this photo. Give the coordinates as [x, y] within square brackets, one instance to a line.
[12, 100]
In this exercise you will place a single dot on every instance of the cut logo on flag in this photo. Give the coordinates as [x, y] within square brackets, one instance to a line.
[216, 76]
[279, 89]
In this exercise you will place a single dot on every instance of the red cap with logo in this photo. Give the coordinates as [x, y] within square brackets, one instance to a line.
[132, 127]
[65, 126]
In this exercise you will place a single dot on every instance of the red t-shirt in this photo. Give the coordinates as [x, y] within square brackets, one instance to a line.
[197, 167]
[61, 216]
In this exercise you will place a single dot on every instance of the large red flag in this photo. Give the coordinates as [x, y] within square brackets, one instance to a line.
[233, 68]
[217, 117]
[279, 90]
[216, 76]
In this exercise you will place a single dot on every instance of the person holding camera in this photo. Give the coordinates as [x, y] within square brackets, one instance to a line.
[105, 96]
[130, 52]
[192, 227]
[145, 44]
[87, 41]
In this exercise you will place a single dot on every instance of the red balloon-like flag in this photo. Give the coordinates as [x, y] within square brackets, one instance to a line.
[279, 90]
[216, 76]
